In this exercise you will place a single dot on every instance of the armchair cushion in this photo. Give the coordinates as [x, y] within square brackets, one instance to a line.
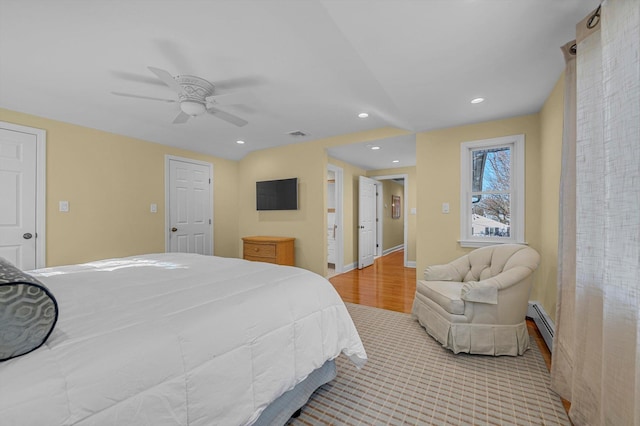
[444, 293]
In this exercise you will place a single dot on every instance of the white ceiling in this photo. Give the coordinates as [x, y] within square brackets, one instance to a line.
[398, 151]
[310, 65]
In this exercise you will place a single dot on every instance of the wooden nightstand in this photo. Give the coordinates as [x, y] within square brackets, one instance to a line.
[278, 250]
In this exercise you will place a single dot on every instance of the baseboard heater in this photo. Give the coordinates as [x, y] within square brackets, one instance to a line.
[544, 323]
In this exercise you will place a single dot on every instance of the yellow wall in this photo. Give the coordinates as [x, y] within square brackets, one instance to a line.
[308, 162]
[305, 162]
[438, 169]
[110, 182]
[551, 122]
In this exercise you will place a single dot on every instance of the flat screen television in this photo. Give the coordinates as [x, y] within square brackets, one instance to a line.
[281, 194]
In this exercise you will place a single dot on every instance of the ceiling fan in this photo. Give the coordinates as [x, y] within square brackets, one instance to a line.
[196, 96]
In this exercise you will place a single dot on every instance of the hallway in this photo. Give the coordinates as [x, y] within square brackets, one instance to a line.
[386, 284]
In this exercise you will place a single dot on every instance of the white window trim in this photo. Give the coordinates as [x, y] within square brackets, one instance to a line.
[518, 195]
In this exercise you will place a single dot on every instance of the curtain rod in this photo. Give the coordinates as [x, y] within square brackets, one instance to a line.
[595, 19]
[593, 22]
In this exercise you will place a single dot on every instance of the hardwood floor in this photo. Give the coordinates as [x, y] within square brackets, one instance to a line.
[387, 284]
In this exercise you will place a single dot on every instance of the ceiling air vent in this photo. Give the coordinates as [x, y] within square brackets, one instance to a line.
[297, 134]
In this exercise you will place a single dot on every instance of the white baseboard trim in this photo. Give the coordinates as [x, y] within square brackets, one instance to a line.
[349, 267]
[544, 323]
[392, 249]
[411, 263]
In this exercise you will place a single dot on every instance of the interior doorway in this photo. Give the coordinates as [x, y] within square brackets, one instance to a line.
[392, 214]
[335, 235]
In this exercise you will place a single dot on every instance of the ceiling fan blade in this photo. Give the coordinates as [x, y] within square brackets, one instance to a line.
[181, 118]
[143, 97]
[234, 98]
[146, 79]
[230, 118]
[166, 78]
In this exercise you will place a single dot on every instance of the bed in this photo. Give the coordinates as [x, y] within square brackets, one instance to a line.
[179, 339]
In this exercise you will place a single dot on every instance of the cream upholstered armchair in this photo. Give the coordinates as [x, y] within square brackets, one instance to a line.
[478, 303]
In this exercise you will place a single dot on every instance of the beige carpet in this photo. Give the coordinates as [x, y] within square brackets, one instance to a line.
[411, 380]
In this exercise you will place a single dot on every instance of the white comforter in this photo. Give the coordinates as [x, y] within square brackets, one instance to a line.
[175, 339]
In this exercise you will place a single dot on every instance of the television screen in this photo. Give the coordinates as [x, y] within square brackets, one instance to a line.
[279, 194]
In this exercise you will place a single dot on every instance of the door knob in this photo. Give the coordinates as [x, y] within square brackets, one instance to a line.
[174, 229]
[27, 236]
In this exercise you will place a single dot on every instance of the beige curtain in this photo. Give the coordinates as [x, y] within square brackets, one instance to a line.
[596, 359]
[563, 344]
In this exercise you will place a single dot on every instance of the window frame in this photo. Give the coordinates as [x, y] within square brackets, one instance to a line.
[516, 144]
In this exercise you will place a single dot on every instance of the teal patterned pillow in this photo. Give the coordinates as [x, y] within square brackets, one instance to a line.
[28, 312]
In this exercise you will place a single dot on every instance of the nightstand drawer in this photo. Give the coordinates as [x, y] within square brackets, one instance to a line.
[278, 250]
[260, 259]
[259, 250]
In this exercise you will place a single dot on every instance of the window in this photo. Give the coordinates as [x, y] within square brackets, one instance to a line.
[492, 191]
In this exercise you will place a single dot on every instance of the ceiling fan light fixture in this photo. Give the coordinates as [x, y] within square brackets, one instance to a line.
[192, 108]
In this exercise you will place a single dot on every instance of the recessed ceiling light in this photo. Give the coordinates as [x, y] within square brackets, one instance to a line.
[240, 142]
[395, 161]
[477, 100]
[363, 115]
[375, 147]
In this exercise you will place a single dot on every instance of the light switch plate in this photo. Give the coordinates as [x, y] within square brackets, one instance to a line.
[445, 207]
[64, 206]
[154, 208]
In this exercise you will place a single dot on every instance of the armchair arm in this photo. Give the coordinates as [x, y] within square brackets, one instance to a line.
[441, 273]
[486, 291]
[480, 291]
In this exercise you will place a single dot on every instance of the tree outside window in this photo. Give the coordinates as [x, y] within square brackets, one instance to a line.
[492, 188]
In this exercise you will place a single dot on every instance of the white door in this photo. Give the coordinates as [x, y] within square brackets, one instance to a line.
[190, 208]
[367, 221]
[18, 195]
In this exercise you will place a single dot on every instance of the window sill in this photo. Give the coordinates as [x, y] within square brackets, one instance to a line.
[484, 243]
